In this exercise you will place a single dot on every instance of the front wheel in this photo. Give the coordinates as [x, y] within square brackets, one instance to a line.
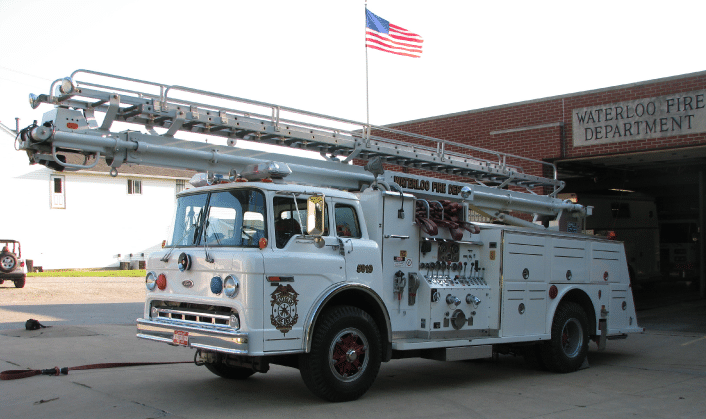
[569, 344]
[231, 373]
[345, 355]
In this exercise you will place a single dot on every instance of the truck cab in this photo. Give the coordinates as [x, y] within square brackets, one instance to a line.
[240, 262]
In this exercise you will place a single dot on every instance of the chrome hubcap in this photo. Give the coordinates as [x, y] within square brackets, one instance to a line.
[351, 355]
[348, 354]
[572, 338]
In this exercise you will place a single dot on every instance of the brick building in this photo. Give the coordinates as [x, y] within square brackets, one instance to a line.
[645, 139]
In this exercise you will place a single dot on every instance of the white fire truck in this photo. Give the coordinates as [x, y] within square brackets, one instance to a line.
[334, 268]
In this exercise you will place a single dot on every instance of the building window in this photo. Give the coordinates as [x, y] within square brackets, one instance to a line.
[180, 185]
[58, 192]
[134, 187]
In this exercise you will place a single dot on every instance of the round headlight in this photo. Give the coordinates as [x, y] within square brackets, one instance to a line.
[216, 285]
[151, 281]
[231, 286]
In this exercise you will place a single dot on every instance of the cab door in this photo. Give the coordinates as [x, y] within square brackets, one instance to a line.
[296, 272]
[362, 255]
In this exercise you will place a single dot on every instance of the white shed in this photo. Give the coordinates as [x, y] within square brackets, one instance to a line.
[84, 219]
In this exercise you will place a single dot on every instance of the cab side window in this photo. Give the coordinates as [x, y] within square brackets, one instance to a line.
[289, 222]
[347, 222]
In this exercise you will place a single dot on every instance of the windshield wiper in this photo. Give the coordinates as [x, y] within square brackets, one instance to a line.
[209, 259]
[165, 258]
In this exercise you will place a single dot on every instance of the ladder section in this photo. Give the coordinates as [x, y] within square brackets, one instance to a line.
[175, 109]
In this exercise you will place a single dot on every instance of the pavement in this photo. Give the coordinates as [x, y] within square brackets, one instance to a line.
[658, 374]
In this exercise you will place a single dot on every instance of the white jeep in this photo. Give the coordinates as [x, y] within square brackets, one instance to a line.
[12, 267]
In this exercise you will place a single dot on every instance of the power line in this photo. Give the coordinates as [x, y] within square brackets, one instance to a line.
[25, 74]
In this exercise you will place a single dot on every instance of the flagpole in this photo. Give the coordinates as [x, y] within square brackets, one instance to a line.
[367, 96]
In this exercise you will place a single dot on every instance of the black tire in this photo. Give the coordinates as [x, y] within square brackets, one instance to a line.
[569, 344]
[8, 262]
[345, 356]
[20, 283]
[231, 373]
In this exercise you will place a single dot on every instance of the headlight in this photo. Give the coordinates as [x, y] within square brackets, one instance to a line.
[151, 281]
[231, 286]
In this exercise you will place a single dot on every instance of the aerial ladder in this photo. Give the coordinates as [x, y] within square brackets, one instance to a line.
[494, 184]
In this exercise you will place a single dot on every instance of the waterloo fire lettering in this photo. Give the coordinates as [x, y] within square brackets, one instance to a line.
[663, 116]
[426, 185]
[412, 183]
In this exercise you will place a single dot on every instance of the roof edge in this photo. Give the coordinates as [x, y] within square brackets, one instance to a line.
[549, 98]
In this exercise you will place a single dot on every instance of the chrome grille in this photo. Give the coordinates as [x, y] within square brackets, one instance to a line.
[192, 314]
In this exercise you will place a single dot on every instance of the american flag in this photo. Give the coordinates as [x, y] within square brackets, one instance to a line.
[382, 35]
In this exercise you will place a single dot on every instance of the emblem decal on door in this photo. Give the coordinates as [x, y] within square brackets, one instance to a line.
[284, 308]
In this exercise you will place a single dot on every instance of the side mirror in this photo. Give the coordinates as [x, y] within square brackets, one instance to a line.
[315, 215]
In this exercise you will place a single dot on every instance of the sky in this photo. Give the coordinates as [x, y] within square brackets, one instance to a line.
[310, 54]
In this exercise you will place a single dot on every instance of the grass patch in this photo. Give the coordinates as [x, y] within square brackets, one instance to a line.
[68, 274]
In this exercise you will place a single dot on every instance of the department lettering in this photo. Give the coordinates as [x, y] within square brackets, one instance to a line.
[646, 118]
[638, 127]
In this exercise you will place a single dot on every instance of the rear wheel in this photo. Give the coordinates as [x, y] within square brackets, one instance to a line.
[20, 283]
[345, 355]
[231, 373]
[8, 261]
[569, 343]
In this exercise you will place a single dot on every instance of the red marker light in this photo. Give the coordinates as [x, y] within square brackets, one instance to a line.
[262, 243]
[553, 292]
[162, 282]
[71, 125]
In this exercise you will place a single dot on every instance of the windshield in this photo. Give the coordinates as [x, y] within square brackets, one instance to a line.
[226, 218]
[188, 219]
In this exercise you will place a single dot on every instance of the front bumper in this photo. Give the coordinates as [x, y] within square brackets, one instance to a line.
[219, 339]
